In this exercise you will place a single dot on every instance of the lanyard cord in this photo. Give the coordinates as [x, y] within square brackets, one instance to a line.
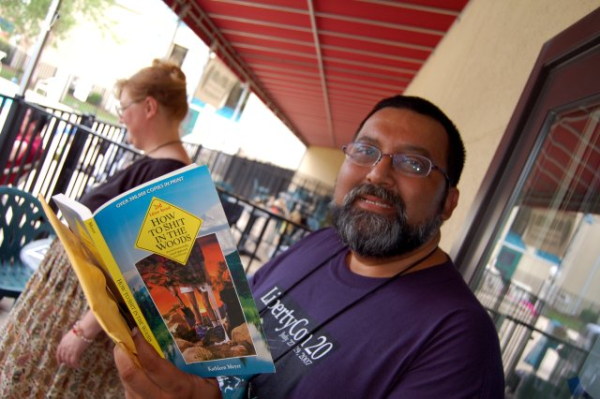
[349, 305]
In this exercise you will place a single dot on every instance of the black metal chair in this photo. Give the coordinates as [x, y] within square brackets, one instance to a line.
[233, 210]
[22, 220]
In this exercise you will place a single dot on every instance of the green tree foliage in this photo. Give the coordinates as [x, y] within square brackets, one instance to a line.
[27, 16]
[95, 98]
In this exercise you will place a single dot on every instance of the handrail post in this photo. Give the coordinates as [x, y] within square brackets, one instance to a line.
[80, 137]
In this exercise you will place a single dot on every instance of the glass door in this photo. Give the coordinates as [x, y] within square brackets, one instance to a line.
[531, 249]
[541, 281]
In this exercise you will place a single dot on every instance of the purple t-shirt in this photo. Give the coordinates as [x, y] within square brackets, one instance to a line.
[334, 333]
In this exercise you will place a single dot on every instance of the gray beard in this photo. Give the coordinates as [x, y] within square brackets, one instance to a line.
[379, 236]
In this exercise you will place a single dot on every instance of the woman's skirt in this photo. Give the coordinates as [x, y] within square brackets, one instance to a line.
[48, 307]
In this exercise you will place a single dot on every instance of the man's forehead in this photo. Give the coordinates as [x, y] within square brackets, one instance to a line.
[400, 119]
[403, 129]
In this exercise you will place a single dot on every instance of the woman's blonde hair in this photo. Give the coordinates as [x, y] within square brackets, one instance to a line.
[163, 81]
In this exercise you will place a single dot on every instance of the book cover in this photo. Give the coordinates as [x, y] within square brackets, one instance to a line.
[172, 262]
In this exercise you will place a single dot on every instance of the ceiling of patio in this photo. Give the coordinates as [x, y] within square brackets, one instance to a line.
[321, 65]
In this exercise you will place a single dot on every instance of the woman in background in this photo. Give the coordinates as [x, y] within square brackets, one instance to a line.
[51, 345]
[27, 148]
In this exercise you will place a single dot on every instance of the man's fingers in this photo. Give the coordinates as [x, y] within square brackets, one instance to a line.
[159, 377]
[163, 373]
[146, 352]
[134, 379]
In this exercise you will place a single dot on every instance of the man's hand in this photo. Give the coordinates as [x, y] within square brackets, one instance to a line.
[158, 378]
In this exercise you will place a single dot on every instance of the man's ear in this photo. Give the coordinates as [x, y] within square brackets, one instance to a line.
[450, 203]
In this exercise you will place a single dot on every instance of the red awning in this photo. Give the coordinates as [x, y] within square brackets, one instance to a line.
[566, 173]
[321, 65]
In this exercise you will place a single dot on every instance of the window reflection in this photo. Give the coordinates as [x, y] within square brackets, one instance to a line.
[541, 282]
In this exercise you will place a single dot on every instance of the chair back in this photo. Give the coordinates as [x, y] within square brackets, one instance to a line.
[22, 220]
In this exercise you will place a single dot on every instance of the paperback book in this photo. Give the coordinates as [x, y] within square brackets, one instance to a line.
[162, 257]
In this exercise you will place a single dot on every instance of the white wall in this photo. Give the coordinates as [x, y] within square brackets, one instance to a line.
[322, 164]
[478, 72]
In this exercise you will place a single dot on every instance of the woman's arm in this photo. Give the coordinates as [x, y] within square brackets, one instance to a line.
[77, 339]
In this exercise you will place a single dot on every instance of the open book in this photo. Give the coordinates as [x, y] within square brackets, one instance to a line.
[164, 255]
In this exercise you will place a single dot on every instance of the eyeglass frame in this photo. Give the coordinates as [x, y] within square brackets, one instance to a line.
[432, 165]
[121, 109]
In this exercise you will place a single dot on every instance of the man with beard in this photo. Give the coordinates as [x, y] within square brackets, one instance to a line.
[371, 308]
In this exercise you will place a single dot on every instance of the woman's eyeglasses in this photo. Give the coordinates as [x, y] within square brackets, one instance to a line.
[122, 108]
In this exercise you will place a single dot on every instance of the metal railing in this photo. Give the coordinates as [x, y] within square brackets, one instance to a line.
[79, 152]
[70, 156]
[261, 233]
[539, 356]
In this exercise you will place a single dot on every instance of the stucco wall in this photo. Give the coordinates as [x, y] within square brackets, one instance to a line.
[321, 163]
[478, 72]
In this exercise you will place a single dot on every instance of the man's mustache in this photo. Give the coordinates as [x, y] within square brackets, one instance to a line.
[376, 191]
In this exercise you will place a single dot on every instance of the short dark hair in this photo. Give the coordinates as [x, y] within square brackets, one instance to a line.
[33, 117]
[456, 148]
[39, 117]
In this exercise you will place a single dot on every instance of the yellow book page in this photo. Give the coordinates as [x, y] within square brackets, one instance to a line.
[93, 283]
[126, 294]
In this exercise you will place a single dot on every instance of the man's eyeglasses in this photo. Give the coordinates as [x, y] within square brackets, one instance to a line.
[410, 164]
[121, 108]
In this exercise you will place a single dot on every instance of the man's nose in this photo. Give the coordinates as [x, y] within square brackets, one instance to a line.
[382, 172]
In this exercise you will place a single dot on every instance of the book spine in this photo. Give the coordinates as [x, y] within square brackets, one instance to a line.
[121, 284]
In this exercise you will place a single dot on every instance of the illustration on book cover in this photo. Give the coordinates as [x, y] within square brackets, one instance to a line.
[198, 303]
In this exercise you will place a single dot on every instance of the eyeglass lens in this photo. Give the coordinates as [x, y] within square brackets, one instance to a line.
[368, 155]
[122, 108]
